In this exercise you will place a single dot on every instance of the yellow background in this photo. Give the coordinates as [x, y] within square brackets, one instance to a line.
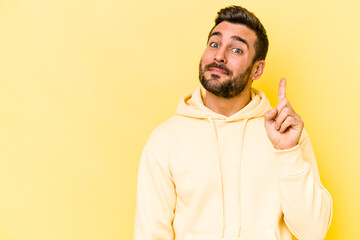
[83, 84]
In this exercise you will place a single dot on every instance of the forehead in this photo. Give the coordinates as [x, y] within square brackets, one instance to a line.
[228, 30]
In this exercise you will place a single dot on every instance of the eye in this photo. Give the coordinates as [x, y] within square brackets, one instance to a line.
[237, 50]
[214, 45]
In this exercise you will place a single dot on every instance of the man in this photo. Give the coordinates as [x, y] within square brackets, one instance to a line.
[227, 165]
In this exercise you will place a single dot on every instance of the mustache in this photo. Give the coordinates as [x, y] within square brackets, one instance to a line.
[220, 66]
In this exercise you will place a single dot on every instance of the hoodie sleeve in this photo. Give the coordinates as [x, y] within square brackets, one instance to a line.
[306, 204]
[156, 199]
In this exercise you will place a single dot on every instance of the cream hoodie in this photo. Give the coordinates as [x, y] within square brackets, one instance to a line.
[205, 176]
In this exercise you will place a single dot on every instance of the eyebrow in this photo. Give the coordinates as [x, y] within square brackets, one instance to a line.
[237, 38]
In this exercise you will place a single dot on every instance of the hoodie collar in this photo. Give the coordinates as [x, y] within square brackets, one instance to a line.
[192, 105]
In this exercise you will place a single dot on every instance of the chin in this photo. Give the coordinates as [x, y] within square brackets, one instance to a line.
[214, 76]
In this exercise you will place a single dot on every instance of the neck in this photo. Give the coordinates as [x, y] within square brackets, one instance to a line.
[226, 106]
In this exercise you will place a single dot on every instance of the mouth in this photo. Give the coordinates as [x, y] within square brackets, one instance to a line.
[216, 70]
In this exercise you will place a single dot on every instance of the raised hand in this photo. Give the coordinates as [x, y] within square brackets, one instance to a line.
[283, 125]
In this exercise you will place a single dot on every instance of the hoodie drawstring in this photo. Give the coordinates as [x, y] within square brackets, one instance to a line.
[240, 168]
[212, 124]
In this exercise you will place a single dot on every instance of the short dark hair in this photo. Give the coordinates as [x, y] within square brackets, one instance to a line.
[240, 15]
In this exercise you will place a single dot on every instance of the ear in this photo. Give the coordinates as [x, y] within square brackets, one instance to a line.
[258, 69]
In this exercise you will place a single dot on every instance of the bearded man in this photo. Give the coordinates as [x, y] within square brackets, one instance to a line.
[229, 166]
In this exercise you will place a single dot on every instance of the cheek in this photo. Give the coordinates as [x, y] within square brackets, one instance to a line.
[235, 67]
[238, 65]
[207, 57]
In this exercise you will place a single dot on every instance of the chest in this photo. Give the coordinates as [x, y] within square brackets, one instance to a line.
[236, 155]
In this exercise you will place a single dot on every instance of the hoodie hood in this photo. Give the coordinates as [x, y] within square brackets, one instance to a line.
[192, 105]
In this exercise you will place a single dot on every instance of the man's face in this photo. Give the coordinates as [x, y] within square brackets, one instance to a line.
[226, 65]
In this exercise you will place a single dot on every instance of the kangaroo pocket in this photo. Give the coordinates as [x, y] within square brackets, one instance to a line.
[261, 235]
[202, 237]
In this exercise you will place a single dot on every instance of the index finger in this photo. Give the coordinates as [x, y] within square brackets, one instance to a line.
[282, 91]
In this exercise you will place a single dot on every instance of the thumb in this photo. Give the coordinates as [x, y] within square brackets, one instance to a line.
[270, 115]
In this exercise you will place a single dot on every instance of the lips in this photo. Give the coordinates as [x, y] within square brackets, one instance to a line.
[217, 70]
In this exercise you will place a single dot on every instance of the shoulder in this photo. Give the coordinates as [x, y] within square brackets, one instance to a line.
[163, 134]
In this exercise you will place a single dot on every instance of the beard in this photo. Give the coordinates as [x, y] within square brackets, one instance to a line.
[229, 88]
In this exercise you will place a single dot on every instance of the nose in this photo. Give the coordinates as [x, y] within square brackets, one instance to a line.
[220, 56]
